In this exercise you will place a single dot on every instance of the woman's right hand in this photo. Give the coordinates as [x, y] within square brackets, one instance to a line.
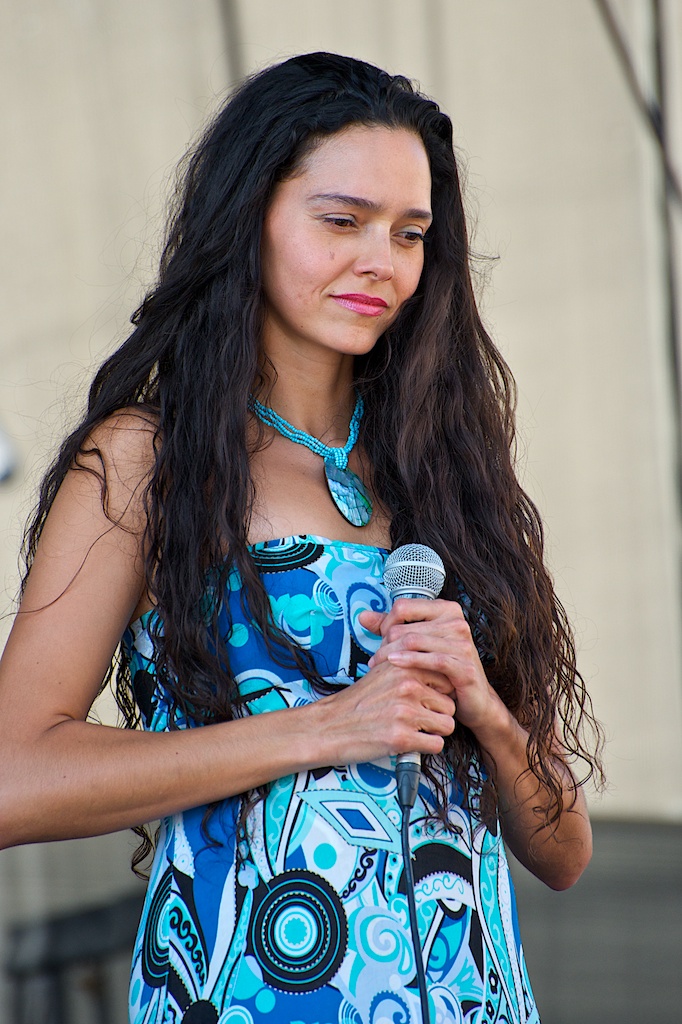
[391, 710]
[62, 776]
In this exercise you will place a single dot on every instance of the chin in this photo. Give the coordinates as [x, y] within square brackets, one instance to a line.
[358, 346]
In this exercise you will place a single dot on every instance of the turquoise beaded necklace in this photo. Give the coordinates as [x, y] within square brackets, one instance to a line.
[346, 488]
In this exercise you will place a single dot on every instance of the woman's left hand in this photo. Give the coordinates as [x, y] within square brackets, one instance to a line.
[434, 635]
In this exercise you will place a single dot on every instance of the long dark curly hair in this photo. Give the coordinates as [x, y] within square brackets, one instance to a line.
[438, 427]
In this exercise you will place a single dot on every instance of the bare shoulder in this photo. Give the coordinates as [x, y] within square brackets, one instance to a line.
[125, 443]
[87, 575]
[97, 522]
[119, 456]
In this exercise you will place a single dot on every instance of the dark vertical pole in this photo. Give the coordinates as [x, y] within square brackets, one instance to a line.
[18, 1000]
[653, 111]
[668, 198]
[59, 997]
[229, 12]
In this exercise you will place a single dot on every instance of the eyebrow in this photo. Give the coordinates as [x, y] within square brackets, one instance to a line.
[366, 204]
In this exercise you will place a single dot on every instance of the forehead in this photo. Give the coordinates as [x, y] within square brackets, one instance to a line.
[364, 160]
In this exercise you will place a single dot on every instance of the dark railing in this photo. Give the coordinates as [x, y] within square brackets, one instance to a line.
[605, 952]
[72, 969]
[609, 950]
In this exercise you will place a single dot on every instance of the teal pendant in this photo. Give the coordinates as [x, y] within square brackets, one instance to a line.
[348, 494]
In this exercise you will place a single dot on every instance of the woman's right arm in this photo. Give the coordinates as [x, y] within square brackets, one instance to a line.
[64, 777]
[61, 776]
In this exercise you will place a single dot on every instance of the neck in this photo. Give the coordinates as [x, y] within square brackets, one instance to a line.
[318, 400]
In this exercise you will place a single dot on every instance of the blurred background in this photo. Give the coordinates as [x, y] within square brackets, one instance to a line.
[568, 121]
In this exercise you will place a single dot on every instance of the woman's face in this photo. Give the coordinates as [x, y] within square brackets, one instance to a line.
[342, 244]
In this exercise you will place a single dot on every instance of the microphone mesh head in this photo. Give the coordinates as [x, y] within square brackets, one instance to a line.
[414, 569]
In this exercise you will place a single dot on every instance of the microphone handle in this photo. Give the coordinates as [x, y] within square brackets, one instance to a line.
[408, 769]
[408, 766]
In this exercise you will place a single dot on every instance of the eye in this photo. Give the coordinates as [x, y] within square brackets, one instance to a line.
[339, 221]
[411, 235]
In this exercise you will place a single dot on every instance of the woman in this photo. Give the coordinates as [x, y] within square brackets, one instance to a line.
[314, 294]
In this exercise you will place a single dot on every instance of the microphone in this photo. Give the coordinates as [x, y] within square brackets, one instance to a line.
[413, 571]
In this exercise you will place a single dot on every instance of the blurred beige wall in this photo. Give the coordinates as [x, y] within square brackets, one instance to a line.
[563, 186]
[100, 98]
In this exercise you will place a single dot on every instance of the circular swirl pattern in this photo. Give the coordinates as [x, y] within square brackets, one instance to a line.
[299, 932]
[155, 944]
[285, 555]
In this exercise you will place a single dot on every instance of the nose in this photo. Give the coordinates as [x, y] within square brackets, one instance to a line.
[376, 257]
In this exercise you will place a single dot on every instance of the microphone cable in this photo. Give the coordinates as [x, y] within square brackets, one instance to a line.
[406, 807]
[413, 571]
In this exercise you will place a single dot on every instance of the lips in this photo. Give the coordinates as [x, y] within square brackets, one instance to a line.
[368, 305]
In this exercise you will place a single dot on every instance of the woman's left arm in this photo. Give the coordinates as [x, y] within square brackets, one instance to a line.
[435, 635]
[556, 853]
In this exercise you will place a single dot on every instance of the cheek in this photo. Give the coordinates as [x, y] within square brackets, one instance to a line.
[308, 272]
[281, 261]
[291, 287]
[417, 272]
[283, 274]
[410, 276]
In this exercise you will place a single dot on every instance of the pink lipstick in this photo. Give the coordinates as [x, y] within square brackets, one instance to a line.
[368, 305]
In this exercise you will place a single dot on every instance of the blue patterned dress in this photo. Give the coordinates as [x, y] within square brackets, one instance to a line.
[309, 924]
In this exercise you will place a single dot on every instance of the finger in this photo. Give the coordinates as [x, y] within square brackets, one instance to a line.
[411, 696]
[467, 680]
[422, 743]
[432, 725]
[435, 681]
[392, 653]
[410, 637]
[439, 703]
[449, 625]
[457, 670]
[417, 609]
[422, 731]
[428, 674]
[372, 621]
[456, 640]
[425, 676]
